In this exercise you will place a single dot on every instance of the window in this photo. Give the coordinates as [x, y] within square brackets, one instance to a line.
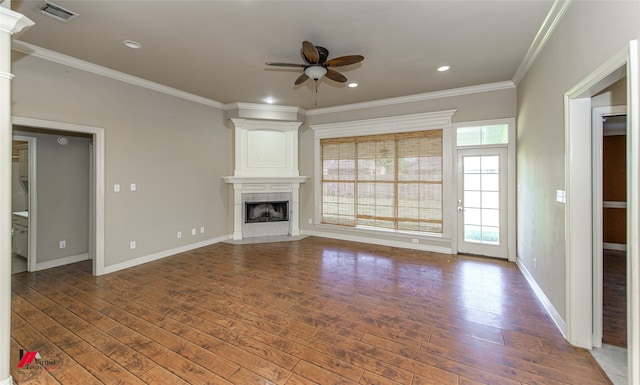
[389, 181]
[483, 135]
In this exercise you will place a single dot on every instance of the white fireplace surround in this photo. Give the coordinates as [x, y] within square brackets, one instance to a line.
[266, 163]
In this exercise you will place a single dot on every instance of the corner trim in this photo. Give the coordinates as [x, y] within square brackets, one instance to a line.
[163, 254]
[59, 58]
[548, 306]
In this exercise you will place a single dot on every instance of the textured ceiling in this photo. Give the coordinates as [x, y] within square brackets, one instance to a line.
[218, 49]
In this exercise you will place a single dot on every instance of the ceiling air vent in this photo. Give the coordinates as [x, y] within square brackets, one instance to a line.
[56, 11]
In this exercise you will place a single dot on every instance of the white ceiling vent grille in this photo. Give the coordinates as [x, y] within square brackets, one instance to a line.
[56, 11]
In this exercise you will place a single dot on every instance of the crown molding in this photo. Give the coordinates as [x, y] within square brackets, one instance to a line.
[544, 33]
[264, 107]
[390, 124]
[416, 98]
[13, 22]
[59, 58]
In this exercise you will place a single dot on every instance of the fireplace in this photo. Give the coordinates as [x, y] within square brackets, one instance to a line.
[256, 212]
[266, 180]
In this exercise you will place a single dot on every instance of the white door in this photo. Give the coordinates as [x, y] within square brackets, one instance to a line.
[482, 202]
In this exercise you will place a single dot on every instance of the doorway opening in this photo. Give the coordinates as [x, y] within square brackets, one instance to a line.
[96, 182]
[581, 289]
[23, 201]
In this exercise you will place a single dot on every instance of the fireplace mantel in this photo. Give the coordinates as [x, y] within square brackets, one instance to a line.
[266, 162]
[242, 180]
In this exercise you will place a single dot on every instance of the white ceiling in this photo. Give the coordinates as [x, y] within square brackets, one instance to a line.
[218, 49]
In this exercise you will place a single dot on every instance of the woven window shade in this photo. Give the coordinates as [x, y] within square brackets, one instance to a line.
[391, 181]
[338, 181]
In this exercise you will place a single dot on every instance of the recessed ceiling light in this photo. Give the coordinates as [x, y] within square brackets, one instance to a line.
[353, 85]
[132, 44]
[443, 68]
[269, 100]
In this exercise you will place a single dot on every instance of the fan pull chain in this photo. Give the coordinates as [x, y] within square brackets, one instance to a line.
[316, 98]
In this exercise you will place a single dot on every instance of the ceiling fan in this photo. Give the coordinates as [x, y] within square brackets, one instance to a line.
[317, 64]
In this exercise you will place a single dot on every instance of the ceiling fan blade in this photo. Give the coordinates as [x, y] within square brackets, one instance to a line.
[301, 79]
[335, 75]
[284, 64]
[310, 52]
[345, 60]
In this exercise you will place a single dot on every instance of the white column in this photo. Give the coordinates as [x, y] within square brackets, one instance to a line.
[295, 203]
[10, 23]
[237, 211]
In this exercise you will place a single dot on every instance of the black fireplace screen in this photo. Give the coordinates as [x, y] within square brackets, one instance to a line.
[266, 211]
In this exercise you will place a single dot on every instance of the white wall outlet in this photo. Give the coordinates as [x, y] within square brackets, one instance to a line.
[535, 262]
[202, 230]
[132, 245]
[414, 240]
[133, 187]
[193, 231]
[63, 244]
[116, 187]
[310, 221]
[179, 234]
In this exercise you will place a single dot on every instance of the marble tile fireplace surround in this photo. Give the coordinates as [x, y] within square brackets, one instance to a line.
[266, 171]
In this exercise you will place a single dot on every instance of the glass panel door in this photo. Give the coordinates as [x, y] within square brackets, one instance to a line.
[482, 202]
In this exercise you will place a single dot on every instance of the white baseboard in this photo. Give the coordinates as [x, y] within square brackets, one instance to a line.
[163, 254]
[378, 241]
[614, 246]
[557, 319]
[7, 381]
[61, 261]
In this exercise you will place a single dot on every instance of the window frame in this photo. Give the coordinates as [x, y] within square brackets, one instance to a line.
[390, 125]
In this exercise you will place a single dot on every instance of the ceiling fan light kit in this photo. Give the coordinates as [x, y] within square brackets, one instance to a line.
[315, 72]
[317, 66]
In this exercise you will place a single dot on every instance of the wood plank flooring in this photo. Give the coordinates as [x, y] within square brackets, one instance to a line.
[614, 298]
[315, 311]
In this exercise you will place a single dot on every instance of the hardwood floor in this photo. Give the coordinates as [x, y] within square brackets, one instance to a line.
[614, 298]
[315, 311]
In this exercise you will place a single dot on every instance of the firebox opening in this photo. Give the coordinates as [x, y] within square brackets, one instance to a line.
[266, 211]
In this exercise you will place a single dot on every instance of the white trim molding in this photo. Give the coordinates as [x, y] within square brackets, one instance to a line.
[59, 58]
[546, 30]
[376, 240]
[99, 177]
[12, 22]
[392, 124]
[163, 254]
[416, 98]
[548, 306]
[61, 261]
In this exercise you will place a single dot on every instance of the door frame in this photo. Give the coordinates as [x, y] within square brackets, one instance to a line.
[32, 254]
[578, 212]
[597, 142]
[502, 152]
[511, 179]
[97, 199]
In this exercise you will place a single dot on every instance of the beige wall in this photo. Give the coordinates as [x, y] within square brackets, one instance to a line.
[174, 150]
[588, 35]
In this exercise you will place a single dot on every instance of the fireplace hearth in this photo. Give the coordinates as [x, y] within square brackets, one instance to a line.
[258, 212]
